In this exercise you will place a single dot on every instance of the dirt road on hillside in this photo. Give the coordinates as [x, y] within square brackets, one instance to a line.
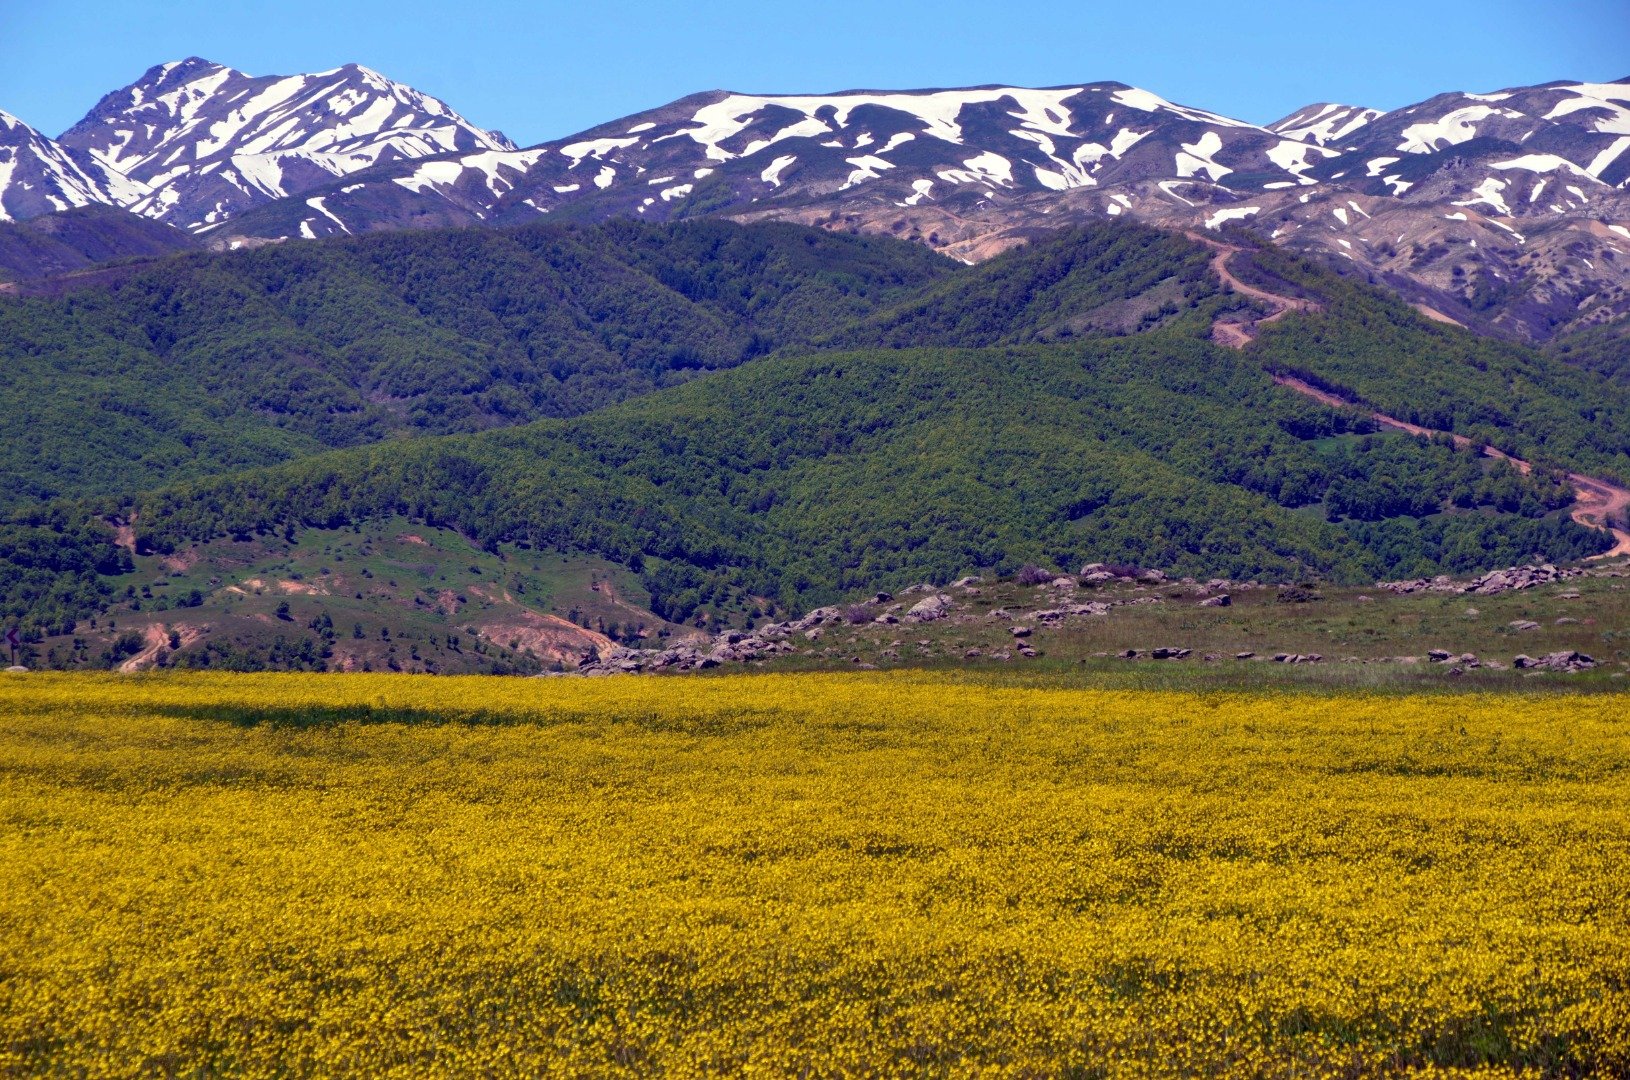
[1238, 335]
[1598, 504]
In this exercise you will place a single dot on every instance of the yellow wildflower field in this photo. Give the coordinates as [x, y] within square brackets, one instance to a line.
[813, 875]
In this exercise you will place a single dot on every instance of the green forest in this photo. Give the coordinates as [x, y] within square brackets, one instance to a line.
[775, 412]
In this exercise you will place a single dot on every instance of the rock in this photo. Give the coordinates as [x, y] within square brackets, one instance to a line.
[814, 633]
[16, 669]
[1053, 615]
[972, 654]
[1472, 613]
[964, 582]
[1020, 631]
[1128, 654]
[1217, 583]
[1217, 601]
[1567, 620]
[815, 618]
[1245, 655]
[920, 587]
[882, 598]
[1091, 568]
[1097, 577]
[1169, 653]
[1438, 656]
[1567, 596]
[1062, 583]
[1366, 599]
[1523, 624]
[887, 619]
[929, 610]
[999, 613]
[1152, 576]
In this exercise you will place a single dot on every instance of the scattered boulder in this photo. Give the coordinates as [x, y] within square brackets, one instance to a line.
[1569, 660]
[1217, 601]
[1170, 653]
[929, 610]
[1053, 615]
[1438, 656]
[1523, 624]
[1247, 655]
[1489, 584]
[1021, 631]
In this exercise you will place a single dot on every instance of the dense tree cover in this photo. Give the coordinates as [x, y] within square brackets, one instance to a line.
[53, 571]
[1109, 279]
[804, 478]
[1372, 347]
[809, 473]
[1604, 349]
[206, 363]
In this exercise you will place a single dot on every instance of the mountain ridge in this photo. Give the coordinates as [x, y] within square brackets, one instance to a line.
[1509, 211]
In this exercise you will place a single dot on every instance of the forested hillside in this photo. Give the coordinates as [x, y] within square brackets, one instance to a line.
[812, 473]
[208, 363]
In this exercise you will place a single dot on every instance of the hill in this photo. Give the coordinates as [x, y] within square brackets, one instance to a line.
[207, 363]
[982, 418]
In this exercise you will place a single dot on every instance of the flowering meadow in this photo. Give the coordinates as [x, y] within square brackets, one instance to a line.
[807, 875]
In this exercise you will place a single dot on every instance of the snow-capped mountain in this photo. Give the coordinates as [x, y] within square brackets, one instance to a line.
[1508, 210]
[208, 142]
[38, 176]
[1324, 123]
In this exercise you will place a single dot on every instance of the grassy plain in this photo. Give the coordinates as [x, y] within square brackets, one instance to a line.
[873, 873]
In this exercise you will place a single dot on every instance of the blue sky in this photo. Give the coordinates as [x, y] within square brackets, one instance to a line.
[542, 70]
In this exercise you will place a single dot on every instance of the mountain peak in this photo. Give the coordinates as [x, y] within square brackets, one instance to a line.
[213, 141]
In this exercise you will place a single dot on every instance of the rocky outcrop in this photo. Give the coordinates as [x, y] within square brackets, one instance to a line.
[1489, 584]
[1569, 661]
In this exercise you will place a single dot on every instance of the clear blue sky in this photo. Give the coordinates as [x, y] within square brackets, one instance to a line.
[542, 70]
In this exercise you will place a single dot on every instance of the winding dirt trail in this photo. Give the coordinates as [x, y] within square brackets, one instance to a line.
[1598, 504]
[156, 638]
[1238, 335]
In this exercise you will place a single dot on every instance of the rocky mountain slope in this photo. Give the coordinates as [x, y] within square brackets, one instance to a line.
[1506, 211]
[39, 176]
[206, 142]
